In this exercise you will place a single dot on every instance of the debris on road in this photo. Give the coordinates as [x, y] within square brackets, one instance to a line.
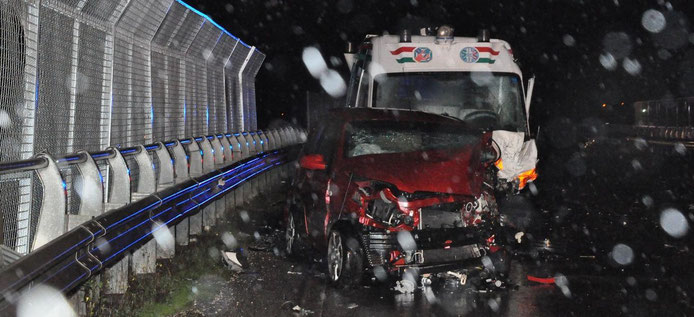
[405, 286]
[232, 261]
[541, 280]
[301, 311]
[462, 277]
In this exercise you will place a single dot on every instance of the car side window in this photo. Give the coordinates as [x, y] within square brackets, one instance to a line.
[327, 143]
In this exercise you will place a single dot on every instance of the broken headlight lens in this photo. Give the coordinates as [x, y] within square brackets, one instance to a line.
[386, 211]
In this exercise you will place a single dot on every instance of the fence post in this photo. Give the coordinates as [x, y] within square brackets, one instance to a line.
[181, 170]
[195, 170]
[116, 277]
[228, 159]
[144, 259]
[218, 150]
[208, 213]
[166, 179]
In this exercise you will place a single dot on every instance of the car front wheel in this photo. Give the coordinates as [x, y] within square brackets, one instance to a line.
[345, 260]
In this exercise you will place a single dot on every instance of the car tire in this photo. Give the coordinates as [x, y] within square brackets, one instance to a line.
[345, 259]
[294, 246]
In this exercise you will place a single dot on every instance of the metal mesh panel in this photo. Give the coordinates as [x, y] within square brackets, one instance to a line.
[142, 18]
[234, 86]
[141, 90]
[54, 67]
[90, 72]
[17, 218]
[132, 87]
[159, 96]
[70, 3]
[101, 9]
[9, 210]
[196, 76]
[169, 26]
[190, 108]
[187, 31]
[12, 60]
[249, 91]
[174, 99]
[121, 110]
[215, 82]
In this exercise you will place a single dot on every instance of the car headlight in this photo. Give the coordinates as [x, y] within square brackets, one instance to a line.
[383, 208]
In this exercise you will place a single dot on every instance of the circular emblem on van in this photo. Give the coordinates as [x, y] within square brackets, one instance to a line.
[422, 55]
[469, 54]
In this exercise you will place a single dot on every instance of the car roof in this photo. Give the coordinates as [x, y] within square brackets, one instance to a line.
[390, 114]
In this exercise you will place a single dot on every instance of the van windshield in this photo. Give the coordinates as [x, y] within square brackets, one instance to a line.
[482, 99]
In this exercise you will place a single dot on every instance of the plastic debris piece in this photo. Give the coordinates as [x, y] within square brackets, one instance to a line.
[541, 280]
[352, 306]
[405, 286]
[302, 311]
[519, 236]
[460, 276]
[293, 273]
[232, 261]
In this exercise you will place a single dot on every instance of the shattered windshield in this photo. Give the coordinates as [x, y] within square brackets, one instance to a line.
[484, 99]
[381, 137]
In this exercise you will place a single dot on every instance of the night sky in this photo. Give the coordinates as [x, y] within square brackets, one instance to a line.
[560, 42]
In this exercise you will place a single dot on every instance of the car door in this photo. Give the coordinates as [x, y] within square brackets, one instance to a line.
[317, 181]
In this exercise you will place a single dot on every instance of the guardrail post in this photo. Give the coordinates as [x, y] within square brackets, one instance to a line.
[265, 147]
[116, 277]
[256, 182]
[195, 170]
[218, 150]
[89, 187]
[166, 179]
[208, 158]
[227, 141]
[52, 218]
[166, 169]
[237, 144]
[273, 178]
[181, 172]
[144, 259]
[244, 189]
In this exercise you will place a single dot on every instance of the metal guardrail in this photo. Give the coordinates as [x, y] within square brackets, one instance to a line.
[670, 113]
[657, 135]
[196, 179]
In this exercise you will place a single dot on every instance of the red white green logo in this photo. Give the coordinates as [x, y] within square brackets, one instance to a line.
[480, 54]
[411, 54]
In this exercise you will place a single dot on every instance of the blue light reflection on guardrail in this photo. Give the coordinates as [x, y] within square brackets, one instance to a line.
[250, 167]
[193, 207]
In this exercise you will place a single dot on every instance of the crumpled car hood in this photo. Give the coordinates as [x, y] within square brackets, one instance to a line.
[456, 171]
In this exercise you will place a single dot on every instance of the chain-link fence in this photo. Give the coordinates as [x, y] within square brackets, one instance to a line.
[88, 74]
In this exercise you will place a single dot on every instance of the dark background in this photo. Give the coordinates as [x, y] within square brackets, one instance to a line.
[560, 42]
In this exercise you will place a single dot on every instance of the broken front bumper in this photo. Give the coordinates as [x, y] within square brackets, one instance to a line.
[433, 247]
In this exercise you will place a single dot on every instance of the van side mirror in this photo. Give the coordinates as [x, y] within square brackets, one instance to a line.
[312, 162]
[529, 93]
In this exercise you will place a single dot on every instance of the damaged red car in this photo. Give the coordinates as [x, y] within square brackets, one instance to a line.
[380, 191]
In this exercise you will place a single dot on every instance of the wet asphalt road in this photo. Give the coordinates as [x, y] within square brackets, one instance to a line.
[588, 221]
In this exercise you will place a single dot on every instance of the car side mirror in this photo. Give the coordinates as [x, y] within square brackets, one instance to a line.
[312, 162]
